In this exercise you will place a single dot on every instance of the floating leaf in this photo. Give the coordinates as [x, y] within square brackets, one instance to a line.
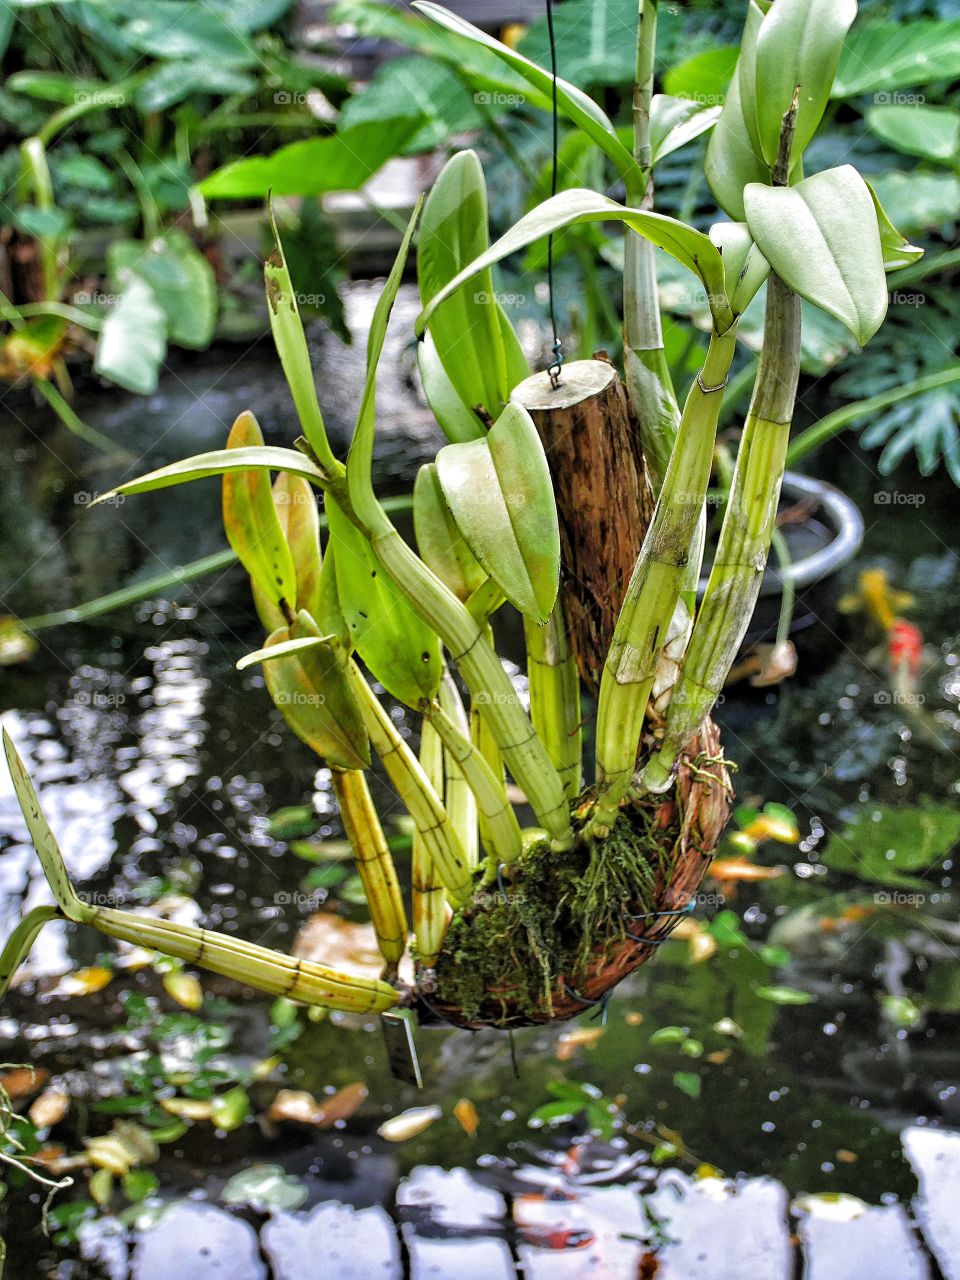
[688, 1082]
[402, 652]
[466, 1116]
[500, 494]
[822, 238]
[50, 1108]
[84, 982]
[783, 995]
[265, 1188]
[230, 1109]
[292, 821]
[409, 1124]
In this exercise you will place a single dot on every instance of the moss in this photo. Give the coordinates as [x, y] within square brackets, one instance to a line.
[549, 918]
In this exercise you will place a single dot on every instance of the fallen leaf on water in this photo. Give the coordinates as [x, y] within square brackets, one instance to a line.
[409, 1123]
[579, 1037]
[50, 1108]
[84, 982]
[185, 988]
[732, 870]
[230, 1109]
[719, 1056]
[22, 1082]
[188, 1108]
[846, 1157]
[125, 1147]
[342, 1104]
[297, 1106]
[340, 943]
[634, 1018]
[467, 1117]
[771, 827]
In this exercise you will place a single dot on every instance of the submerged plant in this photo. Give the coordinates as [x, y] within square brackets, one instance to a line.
[512, 925]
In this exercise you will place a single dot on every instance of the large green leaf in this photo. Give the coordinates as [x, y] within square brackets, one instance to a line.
[676, 121]
[339, 162]
[571, 101]
[457, 420]
[215, 463]
[133, 341]
[687, 245]
[478, 351]
[182, 281]
[423, 86]
[732, 160]
[312, 691]
[442, 546]
[799, 42]
[252, 526]
[170, 29]
[171, 82]
[704, 77]
[291, 343]
[930, 132]
[919, 201]
[595, 41]
[395, 644]
[884, 56]
[822, 238]
[886, 843]
[500, 494]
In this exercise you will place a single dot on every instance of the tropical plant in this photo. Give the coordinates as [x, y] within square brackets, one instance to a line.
[514, 925]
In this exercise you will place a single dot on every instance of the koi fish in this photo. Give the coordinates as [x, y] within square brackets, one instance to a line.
[877, 599]
[904, 648]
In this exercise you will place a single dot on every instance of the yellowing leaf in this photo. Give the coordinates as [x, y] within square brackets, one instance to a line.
[50, 1108]
[184, 988]
[408, 1124]
[84, 982]
[467, 1117]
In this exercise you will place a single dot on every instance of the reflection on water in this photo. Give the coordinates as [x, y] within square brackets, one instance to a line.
[157, 764]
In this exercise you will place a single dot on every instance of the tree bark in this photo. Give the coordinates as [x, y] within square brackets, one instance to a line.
[604, 498]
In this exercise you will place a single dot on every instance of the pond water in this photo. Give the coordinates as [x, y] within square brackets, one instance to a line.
[159, 765]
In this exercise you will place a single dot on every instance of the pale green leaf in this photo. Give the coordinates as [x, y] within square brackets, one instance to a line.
[133, 340]
[442, 546]
[880, 57]
[182, 281]
[930, 132]
[676, 121]
[215, 463]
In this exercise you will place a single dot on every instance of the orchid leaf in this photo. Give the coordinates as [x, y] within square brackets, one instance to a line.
[442, 546]
[500, 494]
[897, 251]
[676, 121]
[216, 463]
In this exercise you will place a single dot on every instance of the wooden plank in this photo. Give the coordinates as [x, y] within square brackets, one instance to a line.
[593, 1232]
[333, 1240]
[845, 1239]
[935, 1157]
[721, 1230]
[445, 1214]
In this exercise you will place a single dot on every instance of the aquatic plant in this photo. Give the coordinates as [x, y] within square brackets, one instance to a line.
[512, 925]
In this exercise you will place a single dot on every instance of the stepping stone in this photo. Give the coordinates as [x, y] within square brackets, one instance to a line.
[935, 1157]
[722, 1230]
[572, 1234]
[335, 1240]
[195, 1241]
[441, 1211]
[846, 1239]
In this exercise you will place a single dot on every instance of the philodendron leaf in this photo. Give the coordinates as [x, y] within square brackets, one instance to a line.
[898, 55]
[799, 42]
[500, 494]
[457, 420]
[686, 244]
[571, 101]
[897, 251]
[930, 132]
[182, 281]
[216, 463]
[252, 526]
[476, 347]
[442, 546]
[822, 238]
[401, 651]
[312, 692]
[291, 343]
[133, 341]
[676, 121]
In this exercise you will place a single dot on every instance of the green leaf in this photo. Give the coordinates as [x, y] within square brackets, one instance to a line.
[425, 86]
[216, 463]
[251, 523]
[676, 121]
[919, 201]
[783, 995]
[55, 86]
[799, 42]
[571, 101]
[886, 843]
[400, 650]
[930, 132]
[312, 692]
[704, 77]
[265, 1187]
[169, 29]
[338, 162]
[230, 1109]
[182, 281]
[169, 83]
[270, 653]
[133, 341]
[457, 420]
[688, 1082]
[732, 161]
[295, 501]
[822, 238]
[897, 251]
[138, 1184]
[442, 546]
[687, 245]
[477, 349]
[291, 343]
[893, 55]
[595, 41]
[500, 494]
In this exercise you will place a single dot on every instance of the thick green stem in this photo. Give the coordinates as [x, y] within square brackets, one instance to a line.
[457, 796]
[555, 696]
[656, 585]
[430, 911]
[745, 535]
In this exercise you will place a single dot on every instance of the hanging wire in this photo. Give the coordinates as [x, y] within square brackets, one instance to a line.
[556, 366]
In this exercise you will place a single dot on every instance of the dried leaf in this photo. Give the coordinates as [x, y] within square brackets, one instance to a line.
[732, 870]
[579, 1037]
[85, 982]
[408, 1124]
[23, 1082]
[467, 1117]
[185, 988]
[50, 1108]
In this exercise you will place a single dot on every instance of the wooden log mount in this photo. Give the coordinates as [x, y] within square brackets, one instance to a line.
[604, 498]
